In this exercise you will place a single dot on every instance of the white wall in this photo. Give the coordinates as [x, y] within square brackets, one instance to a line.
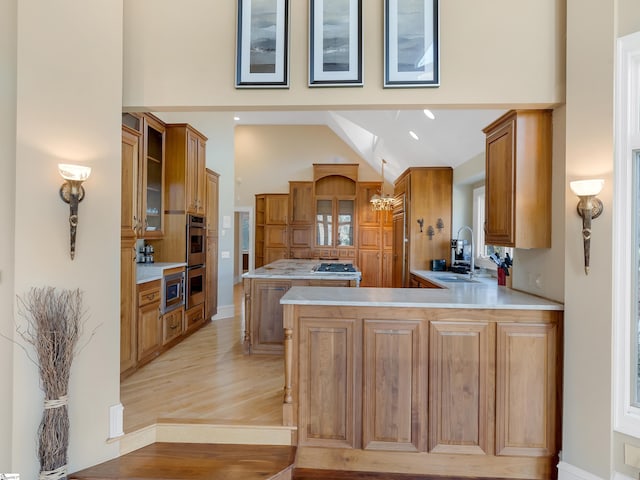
[68, 110]
[495, 52]
[8, 40]
[465, 178]
[269, 156]
[587, 428]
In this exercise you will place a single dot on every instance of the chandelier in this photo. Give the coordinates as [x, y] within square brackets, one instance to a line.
[382, 202]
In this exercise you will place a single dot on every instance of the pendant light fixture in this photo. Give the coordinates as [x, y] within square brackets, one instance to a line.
[382, 202]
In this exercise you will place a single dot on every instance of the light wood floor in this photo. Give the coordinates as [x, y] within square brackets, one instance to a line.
[207, 377]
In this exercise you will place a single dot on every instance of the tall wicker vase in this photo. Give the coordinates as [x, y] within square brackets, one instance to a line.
[54, 323]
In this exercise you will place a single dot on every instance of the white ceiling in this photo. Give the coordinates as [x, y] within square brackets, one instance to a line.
[452, 138]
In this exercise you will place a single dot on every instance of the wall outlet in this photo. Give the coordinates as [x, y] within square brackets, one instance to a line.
[632, 455]
[225, 254]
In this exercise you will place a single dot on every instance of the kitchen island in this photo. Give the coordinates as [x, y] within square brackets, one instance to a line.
[459, 380]
[265, 286]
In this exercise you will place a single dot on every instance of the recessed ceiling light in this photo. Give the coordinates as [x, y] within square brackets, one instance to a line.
[429, 114]
[413, 134]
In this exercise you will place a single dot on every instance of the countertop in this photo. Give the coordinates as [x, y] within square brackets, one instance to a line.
[148, 272]
[300, 269]
[482, 293]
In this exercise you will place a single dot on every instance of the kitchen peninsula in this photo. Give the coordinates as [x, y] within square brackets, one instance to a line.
[265, 286]
[436, 381]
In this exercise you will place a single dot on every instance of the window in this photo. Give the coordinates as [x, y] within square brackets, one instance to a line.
[482, 250]
[626, 224]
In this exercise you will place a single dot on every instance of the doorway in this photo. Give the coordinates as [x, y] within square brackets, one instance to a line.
[243, 241]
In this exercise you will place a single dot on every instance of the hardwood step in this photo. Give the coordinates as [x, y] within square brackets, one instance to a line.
[190, 461]
[316, 474]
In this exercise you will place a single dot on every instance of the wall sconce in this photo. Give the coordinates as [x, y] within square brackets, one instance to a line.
[72, 193]
[589, 207]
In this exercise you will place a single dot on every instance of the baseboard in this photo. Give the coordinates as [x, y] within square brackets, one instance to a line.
[202, 432]
[620, 476]
[567, 471]
[225, 311]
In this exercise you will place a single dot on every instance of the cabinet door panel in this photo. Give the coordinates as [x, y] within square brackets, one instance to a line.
[460, 393]
[369, 238]
[526, 389]
[500, 210]
[276, 209]
[128, 342]
[275, 236]
[301, 237]
[369, 264]
[301, 203]
[267, 334]
[327, 378]
[394, 410]
[149, 331]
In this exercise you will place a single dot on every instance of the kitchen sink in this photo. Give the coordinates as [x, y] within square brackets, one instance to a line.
[454, 279]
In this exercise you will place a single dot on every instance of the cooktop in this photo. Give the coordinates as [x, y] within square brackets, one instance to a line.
[335, 268]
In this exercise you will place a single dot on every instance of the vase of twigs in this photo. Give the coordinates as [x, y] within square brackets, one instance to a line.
[54, 323]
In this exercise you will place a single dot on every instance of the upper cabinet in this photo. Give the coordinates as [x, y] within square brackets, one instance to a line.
[518, 180]
[152, 177]
[185, 172]
[335, 204]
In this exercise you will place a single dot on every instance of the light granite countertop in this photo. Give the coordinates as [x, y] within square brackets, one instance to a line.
[481, 293]
[300, 269]
[148, 272]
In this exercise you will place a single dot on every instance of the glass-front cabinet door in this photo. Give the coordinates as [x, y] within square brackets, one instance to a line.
[346, 220]
[324, 223]
[153, 178]
[335, 219]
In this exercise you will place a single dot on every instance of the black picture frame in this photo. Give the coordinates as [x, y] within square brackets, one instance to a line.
[262, 47]
[411, 43]
[335, 43]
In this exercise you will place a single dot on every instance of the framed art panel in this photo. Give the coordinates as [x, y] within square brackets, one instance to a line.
[335, 43]
[411, 43]
[262, 44]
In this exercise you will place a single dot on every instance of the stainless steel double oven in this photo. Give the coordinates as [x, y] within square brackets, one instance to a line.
[196, 254]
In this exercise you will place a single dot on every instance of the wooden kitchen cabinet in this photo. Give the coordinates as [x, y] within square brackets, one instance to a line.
[128, 337]
[300, 203]
[526, 389]
[462, 369]
[421, 193]
[211, 290]
[420, 386]
[149, 321]
[330, 365]
[272, 233]
[194, 318]
[394, 410]
[151, 178]
[129, 226]
[374, 238]
[518, 180]
[172, 325]
[185, 170]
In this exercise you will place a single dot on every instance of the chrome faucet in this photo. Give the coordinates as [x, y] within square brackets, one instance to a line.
[473, 253]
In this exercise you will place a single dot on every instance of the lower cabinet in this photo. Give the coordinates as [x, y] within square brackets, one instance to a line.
[264, 331]
[194, 317]
[482, 385]
[128, 305]
[172, 325]
[394, 385]
[149, 321]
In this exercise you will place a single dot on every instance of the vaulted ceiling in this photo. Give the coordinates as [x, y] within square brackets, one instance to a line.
[451, 138]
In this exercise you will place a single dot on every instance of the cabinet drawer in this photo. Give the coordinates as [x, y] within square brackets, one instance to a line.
[194, 316]
[149, 293]
[172, 325]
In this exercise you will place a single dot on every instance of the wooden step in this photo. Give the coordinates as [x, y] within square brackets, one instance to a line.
[316, 474]
[190, 461]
